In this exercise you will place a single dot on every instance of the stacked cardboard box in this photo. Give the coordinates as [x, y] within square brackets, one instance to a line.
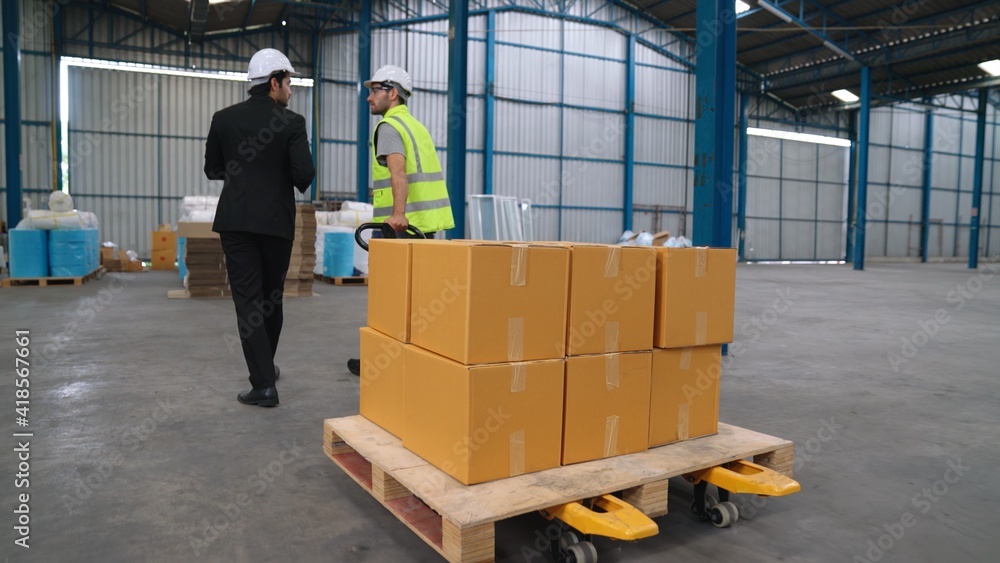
[494, 359]
[695, 299]
[205, 262]
[609, 342]
[299, 279]
[164, 245]
[463, 359]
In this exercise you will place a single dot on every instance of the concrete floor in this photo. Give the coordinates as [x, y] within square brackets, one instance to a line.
[141, 452]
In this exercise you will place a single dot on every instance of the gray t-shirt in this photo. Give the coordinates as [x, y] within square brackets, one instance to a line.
[388, 141]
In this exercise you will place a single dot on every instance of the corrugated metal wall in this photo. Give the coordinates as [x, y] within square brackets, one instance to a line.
[896, 176]
[37, 109]
[137, 145]
[796, 191]
[559, 120]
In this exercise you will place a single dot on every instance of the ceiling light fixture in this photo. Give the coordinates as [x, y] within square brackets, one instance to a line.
[992, 67]
[845, 95]
[741, 6]
[801, 137]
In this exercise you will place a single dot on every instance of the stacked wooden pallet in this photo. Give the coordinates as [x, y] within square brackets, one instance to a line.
[299, 279]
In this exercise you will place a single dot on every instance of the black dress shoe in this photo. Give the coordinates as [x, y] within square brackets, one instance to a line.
[354, 366]
[261, 397]
[277, 373]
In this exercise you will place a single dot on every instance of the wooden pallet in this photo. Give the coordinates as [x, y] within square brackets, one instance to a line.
[458, 520]
[186, 294]
[346, 280]
[45, 282]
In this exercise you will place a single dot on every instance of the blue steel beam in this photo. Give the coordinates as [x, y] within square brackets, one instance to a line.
[629, 184]
[246, 20]
[715, 89]
[925, 199]
[852, 134]
[741, 202]
[977, 181]
[12, 109]
[861, 202]
[490, 103]
[364, 114]
[458, 50]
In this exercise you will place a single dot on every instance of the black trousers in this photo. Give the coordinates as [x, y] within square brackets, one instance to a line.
[257, 265]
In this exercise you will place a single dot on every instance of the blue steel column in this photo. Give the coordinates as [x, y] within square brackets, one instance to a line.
[741, 201]
[977, 180]
[925, 202]
[12, 108]
[491, 51]
[458, 47]
[715, 90]
[364, 114]
[629, 182]
[852, 134]
[862, 199]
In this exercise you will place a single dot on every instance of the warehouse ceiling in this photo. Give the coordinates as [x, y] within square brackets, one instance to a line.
[805, 49]
[798, 50]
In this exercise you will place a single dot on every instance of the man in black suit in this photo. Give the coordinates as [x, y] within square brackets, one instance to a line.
[260, 149]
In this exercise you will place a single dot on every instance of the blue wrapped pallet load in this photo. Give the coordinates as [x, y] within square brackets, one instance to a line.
[29, 253]
[73, 253]
[338, 253]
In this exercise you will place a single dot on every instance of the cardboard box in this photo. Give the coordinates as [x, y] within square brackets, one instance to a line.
[164, 239]
[695, 296]
[489, 302]
[484, 422]
[607, 406]
[611, 298]
[164, 259]
[389, 278]
[684, 394]
[196, 230]
[381, 385]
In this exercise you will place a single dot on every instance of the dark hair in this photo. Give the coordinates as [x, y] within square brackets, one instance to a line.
[265, 88]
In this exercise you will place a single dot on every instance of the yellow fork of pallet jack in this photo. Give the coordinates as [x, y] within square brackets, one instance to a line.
[620, 520]
[746, 477]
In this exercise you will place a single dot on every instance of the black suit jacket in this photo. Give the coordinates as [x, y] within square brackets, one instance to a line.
[260, 149]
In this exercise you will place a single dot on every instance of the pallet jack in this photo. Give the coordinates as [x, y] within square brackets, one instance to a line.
[618, 519]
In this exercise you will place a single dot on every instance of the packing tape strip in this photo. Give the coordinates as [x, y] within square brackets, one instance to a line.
[685, 363]
[611, 337]
[613, 264]
[683, 420]
[700, 328]
[517, 453]
[518, 265]
[611, 371]
[518, 377]
[700, 261]
[515, 339]
[611, 436]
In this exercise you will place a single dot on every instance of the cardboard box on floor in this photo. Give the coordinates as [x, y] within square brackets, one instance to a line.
[489, 302]
[684, 394]
[484, 422]
[695, 296]
[611, 298]
[164, 259]
[606, 406]
[382, 379]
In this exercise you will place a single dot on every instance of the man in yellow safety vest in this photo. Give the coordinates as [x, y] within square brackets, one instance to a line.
[407, 182]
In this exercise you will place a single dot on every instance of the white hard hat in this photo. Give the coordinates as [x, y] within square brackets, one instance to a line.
[394, 74]
[266, 62]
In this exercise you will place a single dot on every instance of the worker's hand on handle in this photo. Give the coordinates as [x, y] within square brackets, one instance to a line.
[398, 222]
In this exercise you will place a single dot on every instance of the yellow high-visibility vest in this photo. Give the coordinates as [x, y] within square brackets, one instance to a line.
[427, 204]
